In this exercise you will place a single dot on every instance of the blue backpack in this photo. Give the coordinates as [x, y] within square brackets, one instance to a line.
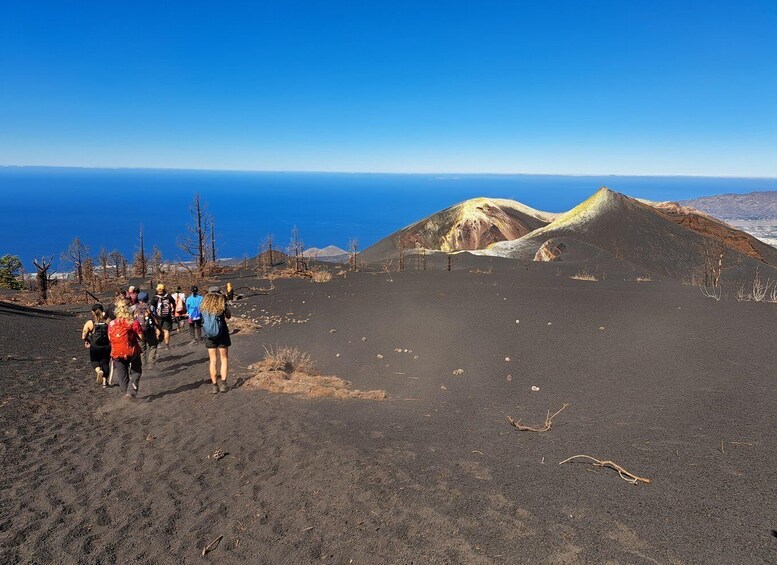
[212, 325]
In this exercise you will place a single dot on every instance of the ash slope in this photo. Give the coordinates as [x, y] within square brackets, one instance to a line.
[706, 225]
[469, 225]
[644, 236]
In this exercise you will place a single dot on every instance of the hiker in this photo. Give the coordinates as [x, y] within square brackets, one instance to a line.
[163, 305]
[193, 304]
[148, 325]
[95, 336]
[230, 292]
[132, 294]
[124, 333]
[215, 314]
[109, 311]
[179, 299]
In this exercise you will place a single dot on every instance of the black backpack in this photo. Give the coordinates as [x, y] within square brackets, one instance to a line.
[164, 306]
[99, 335]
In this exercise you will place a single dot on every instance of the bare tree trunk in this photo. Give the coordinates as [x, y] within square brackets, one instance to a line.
[142, 267]
[42, 276]
[213, 242]
[353, 246]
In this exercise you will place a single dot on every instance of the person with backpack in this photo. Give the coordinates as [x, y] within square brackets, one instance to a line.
[193, 304]
[132, 294]
[95, 336]
[124, 333]
[163, 306]
[145, 317]
[215, 314]
[179, 299]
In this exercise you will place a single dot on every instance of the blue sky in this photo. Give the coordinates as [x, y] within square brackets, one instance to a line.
[549, 87]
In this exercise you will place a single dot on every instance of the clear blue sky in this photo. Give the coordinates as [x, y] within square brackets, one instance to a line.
[621, 87]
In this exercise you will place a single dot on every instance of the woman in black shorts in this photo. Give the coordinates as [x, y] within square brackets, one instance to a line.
[95, 336]
[215, 314]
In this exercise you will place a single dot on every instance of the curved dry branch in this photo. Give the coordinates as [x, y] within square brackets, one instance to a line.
[623, 473]
[545, 428]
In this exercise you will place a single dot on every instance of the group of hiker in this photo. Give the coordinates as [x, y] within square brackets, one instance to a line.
[124, 338]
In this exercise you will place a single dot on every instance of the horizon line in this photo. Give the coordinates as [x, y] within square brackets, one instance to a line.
[398, 173]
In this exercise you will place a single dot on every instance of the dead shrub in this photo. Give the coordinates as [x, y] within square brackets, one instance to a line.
[286, 358]
[583, 275]
[64, 292]
[321, 276]
[290, 371]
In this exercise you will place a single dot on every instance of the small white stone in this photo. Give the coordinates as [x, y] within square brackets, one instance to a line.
[379, 356]
[517, 321]
[338, 355]
[507, 359]
[535, 388]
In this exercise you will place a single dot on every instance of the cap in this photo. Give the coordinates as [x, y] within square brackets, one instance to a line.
[131, 288]
[160, 286]
[195, 289]
[214, 289]
[142, 297]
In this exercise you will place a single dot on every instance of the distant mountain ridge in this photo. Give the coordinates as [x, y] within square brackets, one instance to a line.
[751, 206]
[328, 251]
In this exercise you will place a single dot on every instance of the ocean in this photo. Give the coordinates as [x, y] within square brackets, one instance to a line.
[43, 208]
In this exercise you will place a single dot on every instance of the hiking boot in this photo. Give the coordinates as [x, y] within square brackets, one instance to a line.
[223, 386]
[215, 388]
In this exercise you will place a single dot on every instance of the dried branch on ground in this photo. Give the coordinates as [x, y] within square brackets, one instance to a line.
[546, 426]
[623, 473]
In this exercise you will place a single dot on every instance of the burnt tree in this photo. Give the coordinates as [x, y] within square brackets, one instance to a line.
[139, 262]
[193, 242]
[103, 258]
[76, 254]
[353, 248]
[42, 276]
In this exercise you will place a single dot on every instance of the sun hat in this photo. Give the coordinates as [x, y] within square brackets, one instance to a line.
[214, 289]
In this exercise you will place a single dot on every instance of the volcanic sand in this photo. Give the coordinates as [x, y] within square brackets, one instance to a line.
[676, 387]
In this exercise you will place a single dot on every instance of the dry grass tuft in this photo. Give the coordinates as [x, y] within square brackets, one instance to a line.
[288, 370]
[644, 279]
[321, 276]
[583, 275]
[286, 358]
